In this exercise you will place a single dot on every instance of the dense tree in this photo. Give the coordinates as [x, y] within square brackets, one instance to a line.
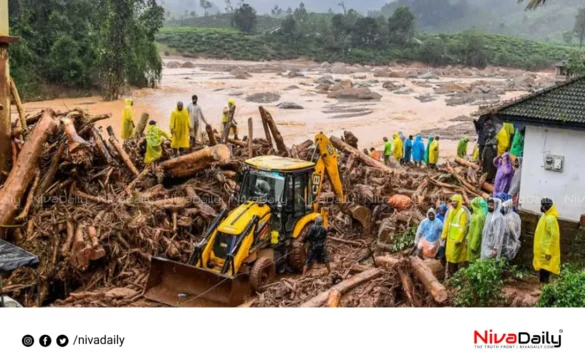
[276, 11]
[206, 5]
[433, 51]
[244, 18]
[579, 28]
[401, 26]
[366, 33]
[228, 6]
[568, 37]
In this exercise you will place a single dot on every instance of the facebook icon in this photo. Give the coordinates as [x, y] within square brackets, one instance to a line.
[45, 340]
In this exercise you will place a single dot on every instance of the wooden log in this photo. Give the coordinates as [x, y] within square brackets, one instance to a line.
[267, 134]
[206, 211]
[280, 145]
[114, 142]
[250, 138]
[436, 267]
[189, 165]
[431, 284]
[101, 146]
[350, 139]
[5, 122]
[348, 242]
[97, 251]
[333, 299]
[139, 178]
[30, 198]
[237, 142]
[363, 158]
[342, 287]
[175, 203]
[23, 171]
[211, 135]
[141, 125]
[18, 103]
[387, 261]
[51, 172]
[69, 240]
[466, 163]
[488, 187]
[407, 286]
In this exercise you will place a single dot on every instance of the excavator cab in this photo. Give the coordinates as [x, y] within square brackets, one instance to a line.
[240, 250]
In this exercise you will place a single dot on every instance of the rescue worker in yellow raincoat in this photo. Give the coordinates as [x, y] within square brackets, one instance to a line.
[434, 153]
[180, 129]
[503, 139]
[547, 242]
[454, 235]
[128, 127]
[225, 120]
[398, 147]
[154, 136]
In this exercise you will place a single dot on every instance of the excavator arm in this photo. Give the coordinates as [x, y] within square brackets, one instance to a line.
[326, 164]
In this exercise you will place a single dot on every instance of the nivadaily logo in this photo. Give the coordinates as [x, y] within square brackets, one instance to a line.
[516, 340]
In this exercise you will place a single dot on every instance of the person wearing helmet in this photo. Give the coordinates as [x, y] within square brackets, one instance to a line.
[228, 117]
[316, 237]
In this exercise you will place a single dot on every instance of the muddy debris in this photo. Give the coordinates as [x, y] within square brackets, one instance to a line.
[354, 94]
[289, 105]
[267, 97]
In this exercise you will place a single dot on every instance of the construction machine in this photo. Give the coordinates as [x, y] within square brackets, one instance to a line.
[239, 253]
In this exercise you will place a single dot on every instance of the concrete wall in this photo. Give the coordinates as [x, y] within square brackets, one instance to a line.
[566, 189]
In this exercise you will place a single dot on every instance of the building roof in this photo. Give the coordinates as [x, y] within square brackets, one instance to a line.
[558, 106]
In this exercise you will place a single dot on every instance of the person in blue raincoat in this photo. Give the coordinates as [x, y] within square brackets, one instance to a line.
[441, 212]
[428, 235]
[418, 151]
[408, 150]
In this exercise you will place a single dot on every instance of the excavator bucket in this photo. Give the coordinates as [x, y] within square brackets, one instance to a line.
[181, 285]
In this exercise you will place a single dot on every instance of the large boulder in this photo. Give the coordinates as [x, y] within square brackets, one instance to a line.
[428, 75]
[326, 79]
[295, 74]
[344, 84]
[525, 80]
[263, 97]
[382, 73]
[391, 86]
[173, 65]
[355, 94]
[452, 88]
[323, 88]
[188, 65]
[340, 68]
[427, 97]
[240, 73]
[289, 105]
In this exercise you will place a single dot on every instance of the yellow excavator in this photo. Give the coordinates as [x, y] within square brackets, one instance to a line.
[240, 251]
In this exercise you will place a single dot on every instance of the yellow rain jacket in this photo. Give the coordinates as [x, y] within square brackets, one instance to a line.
[398, 147]
[503, 141]
[154, 140]
[434, 152]
[180, 128]
[476, 154]
[454, 231]
[128, 127]
[547, 241]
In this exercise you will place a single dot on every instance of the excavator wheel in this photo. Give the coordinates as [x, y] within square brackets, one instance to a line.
[263, 273]
[298, 251]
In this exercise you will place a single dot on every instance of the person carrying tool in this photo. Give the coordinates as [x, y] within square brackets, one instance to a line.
[180, 129]
[195, 116]
[493, 231]
[387, 151]
[454, 233]
[475, 230]
[128, 127]
[398, 148]
[547, 242]
[462, 147]
[154, 141]
[228, 118]
[434, 153]
[316, 237]
[428, 235]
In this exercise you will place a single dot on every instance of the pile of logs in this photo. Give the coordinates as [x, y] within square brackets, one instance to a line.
[86, 204]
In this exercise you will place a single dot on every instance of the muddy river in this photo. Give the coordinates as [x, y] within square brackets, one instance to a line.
[370, 121]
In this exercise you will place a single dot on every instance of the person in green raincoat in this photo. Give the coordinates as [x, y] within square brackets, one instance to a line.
[154, 136]
[428, 149]
[475, 229]
[547, 242]
[454, 232]
[517, 149]
[128, 127]
[462, 147]
[180, 129]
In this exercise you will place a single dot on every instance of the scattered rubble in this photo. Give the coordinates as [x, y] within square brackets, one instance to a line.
[289, 105]
[267, 97]
[427, 97]
[355, 94]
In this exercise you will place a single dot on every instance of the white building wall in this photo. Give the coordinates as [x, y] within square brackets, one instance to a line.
[566, 189]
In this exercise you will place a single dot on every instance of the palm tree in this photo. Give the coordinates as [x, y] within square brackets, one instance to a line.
[533, 4]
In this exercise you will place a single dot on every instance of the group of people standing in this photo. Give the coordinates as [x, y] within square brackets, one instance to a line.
[407, 151]
[186, 128]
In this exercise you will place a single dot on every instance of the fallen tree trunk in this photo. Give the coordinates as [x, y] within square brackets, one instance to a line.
[79, 151]
[23, 171]
[365, 159]
[387, 261]
[267, 133]
[141, 126]
[30, 198]
[280, 145]
[333, 299]
[49, 176]
[250, 138]
[114, 142]
[466, 163]
[407, 286]
[431, 284]
[206, 211]
[488, 187]
[101, 146]
[189, 165]
[342, 287]
[18, 103]
[211, 136]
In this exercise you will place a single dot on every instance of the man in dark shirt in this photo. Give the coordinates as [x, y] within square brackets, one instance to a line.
[483, 130]
[316, 237]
